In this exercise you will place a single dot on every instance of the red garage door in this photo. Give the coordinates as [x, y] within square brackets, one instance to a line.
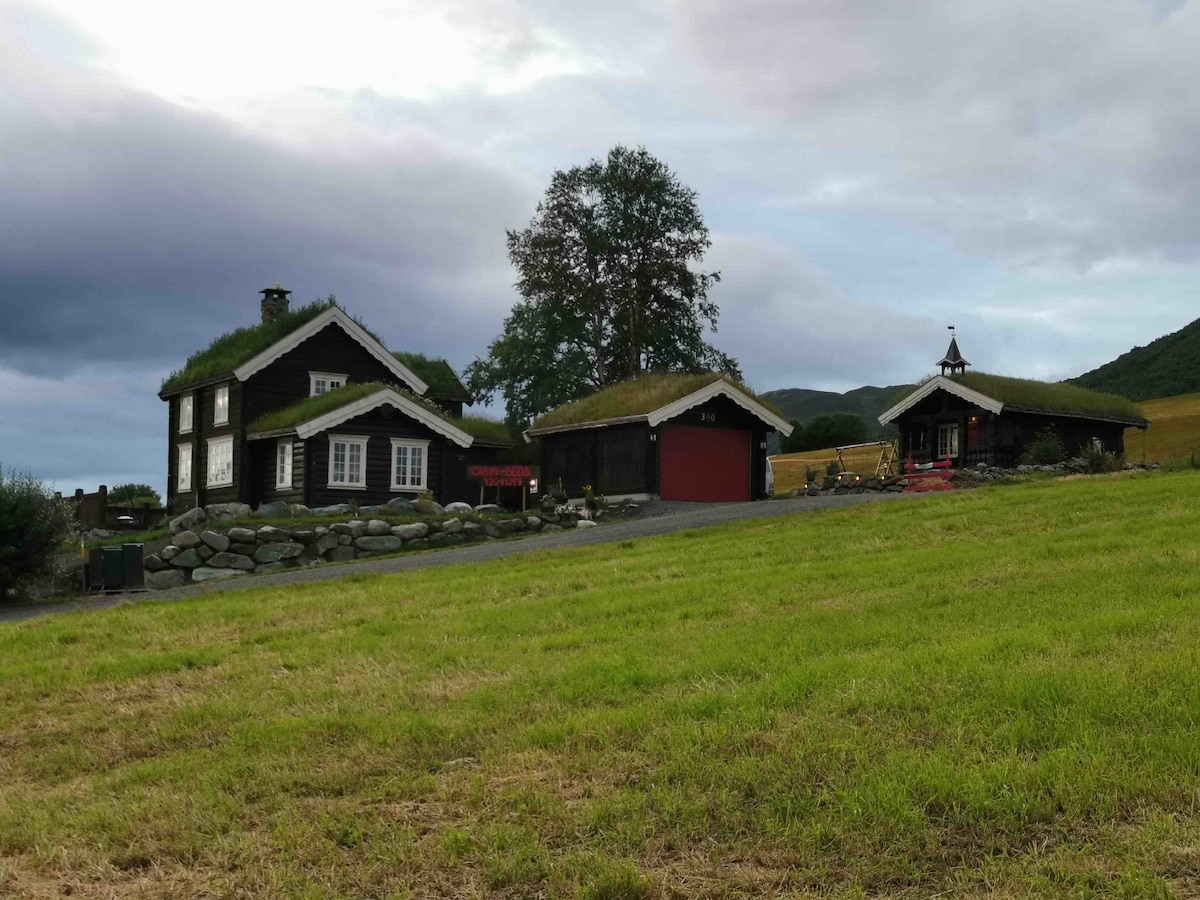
[704, 463]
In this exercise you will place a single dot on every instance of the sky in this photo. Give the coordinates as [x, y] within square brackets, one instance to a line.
[870, 173]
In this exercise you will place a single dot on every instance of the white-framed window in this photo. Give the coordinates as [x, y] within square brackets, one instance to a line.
[947, 441]
[347, 461]
[410, 462]
[183, 467]
[323, 382]
[283, 464]
[220, 461]
[186, 405]
[221, 406]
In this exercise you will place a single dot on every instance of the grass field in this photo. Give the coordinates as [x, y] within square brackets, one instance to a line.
[789, 468]
[1174, 430]
[987, 693]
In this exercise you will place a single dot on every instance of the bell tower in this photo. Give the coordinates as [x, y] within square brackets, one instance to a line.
[953, 363]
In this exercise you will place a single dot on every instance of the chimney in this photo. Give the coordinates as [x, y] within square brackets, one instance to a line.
[274, 303]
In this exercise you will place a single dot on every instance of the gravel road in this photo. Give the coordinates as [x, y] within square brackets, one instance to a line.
[657, 518]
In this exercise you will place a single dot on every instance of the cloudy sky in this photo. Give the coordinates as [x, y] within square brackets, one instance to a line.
[871, 171]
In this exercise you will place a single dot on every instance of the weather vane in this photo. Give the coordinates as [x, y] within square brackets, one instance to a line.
[953, 333]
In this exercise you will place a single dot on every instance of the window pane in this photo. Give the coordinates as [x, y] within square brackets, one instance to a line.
[339, 462]
[401, 465]
[418, 467]
[354, 464]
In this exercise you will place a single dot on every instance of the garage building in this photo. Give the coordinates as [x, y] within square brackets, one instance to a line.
[678, 437]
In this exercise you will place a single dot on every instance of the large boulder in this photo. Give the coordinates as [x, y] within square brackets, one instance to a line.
[154, 563]
[411, 532]
[205, 551]
[227, 510]
[231, 561]
[338, 509]
[269, 553]
[168, 578]
[188, 559]
[238, 535]
[189, 520]
[243, 549]
[325, 542]
[185, 540]
[488, 509]
[275, 510]
[357, 528]
[373, 510]
[341, 554]
[269, 534]
[378, 528]
[428, 507]
[300, 511]
[379, 544]
[169, 552]
[534, 522]
[217, 541]
[400, 505]
[585, 523]
[457, 508]
[471, 529]
[207, 573]
[452, 526]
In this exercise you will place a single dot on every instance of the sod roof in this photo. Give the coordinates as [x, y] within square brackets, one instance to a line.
[232, 349]
[442, 380]
[1047, 397]
[637, 397]
[314, 407]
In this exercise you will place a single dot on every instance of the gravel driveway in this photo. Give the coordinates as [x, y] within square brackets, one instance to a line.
[660, 517]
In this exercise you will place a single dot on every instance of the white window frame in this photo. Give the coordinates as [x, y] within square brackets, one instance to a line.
[411, 444]
[349, 440]
[283, 464]
[328, 379]
[187, 404]
[213, 444]
[183, 452]
[947, 441]
[221, 405]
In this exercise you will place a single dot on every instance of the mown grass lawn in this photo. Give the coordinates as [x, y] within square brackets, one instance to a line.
[989, 693]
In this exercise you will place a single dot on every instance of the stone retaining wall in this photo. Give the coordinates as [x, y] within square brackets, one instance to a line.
[198, 553]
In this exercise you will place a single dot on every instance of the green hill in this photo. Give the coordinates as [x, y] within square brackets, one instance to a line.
[804, 405]
[1166, 367]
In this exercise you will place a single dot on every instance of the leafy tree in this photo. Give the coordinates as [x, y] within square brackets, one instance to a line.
[828, 430]
[606, 288]
[141, 495]
[32, 522]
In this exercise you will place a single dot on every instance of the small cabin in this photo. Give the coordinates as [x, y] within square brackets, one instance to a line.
[972, 417]
[675, 437]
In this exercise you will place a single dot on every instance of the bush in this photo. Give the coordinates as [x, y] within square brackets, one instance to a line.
[832, 467]
[1100, 461]
[1046, 449]
[32, 523]
[810, 475]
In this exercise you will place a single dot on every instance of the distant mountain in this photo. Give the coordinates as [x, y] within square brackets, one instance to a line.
[1166, 367]
[803, 404]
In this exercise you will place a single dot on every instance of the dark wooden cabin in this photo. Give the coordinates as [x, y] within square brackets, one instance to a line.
[242, 412]
[680, 437]
[971, 418]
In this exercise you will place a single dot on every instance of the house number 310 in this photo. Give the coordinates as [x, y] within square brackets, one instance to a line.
[708, 417]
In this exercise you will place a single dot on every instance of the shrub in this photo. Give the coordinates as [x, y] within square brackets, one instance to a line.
[832, 467]
[1046, 449]
[32, 523]
[1100, 461]
[810, 475]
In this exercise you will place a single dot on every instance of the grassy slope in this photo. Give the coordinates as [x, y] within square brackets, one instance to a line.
[1174, 429]
[1164, 368]
[992, 692]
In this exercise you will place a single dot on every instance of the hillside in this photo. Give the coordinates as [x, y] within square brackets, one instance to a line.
[803, 404]
[1163, 368]
[1174, 431]
[990, 693]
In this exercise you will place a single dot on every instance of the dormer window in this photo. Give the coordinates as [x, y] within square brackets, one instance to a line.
[324, 382]
[185, 413]
[221, 406]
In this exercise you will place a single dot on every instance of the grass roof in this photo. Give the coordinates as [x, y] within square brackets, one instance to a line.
[232, 349]
[437, 373]
[636, 397]
[1043, 396]
[313, 407]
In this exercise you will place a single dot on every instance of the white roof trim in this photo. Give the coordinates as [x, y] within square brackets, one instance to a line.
[940, 383]
[336, 316]
[410, 408]
[719, 388]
